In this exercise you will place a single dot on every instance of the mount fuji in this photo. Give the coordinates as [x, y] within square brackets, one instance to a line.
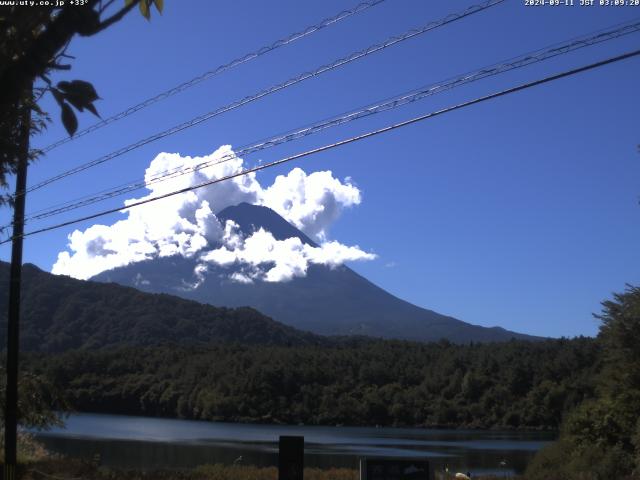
[327, 300]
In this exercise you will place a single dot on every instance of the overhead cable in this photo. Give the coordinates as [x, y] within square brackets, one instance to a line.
[381, 106]
[289, 39]
[340, 143]
[276, 88]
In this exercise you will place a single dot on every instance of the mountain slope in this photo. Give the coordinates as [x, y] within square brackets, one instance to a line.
[61, 313]
[326, 301]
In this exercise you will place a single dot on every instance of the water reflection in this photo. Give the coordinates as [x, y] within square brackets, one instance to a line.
[145, 443]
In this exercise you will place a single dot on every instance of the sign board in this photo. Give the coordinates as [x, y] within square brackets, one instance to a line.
[291, 458]
[394, 469]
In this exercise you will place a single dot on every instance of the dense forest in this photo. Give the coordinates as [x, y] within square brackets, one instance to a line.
[115, 349]
[516, 384]
[105, 348]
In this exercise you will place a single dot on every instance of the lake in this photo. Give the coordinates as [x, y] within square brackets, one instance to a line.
[147, 443]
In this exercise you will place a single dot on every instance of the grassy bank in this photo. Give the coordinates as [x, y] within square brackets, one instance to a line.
[60, 468]
[38, 464]
[67, 469]
[35, 463]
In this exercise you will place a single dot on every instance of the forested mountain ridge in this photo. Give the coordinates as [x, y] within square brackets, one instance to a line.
[61, 313]
[327, 301]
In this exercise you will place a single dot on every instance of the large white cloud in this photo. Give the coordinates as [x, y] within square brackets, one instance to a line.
[186, 224]
[263, 257]
[310, 202]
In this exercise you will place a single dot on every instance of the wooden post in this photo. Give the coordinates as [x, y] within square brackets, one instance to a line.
[13, 332]
[291, 458]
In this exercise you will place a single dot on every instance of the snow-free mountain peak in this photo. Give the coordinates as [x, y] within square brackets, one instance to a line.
[326, 300]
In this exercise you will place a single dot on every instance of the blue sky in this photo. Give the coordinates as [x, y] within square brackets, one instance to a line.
[521, 212]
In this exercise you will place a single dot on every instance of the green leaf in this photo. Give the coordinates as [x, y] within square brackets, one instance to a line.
[159, 5]
[81, 89]
[93, 110]
[128, 2]
[36, 108]
[144, 9]
[75, 101]
[69, 119]
[63, 85]
[87, 90]
[58, 95]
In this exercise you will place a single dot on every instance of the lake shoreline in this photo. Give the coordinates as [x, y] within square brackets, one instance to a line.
[146, 443]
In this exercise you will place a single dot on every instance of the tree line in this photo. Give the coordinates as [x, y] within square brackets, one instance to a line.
[517, 384]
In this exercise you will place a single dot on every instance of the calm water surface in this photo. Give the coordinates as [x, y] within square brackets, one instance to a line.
[145, 443]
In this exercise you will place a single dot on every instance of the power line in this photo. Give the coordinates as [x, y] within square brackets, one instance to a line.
[340, 143]
[381, 106]
[293, 81]
[218, 70]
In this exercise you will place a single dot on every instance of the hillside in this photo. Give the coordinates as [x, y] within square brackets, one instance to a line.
[61, 313]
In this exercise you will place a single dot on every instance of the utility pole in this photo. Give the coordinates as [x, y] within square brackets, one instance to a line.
[13, 332]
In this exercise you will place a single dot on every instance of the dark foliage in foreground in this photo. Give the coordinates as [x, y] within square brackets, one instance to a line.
[601, 438]
[514, 385]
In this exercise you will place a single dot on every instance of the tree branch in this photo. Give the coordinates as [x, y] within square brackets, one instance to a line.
[35, 61]
[116, 17]
[105, 6]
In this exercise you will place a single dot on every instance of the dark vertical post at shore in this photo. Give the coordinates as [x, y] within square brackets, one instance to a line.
[291, 458]
[13, 323]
